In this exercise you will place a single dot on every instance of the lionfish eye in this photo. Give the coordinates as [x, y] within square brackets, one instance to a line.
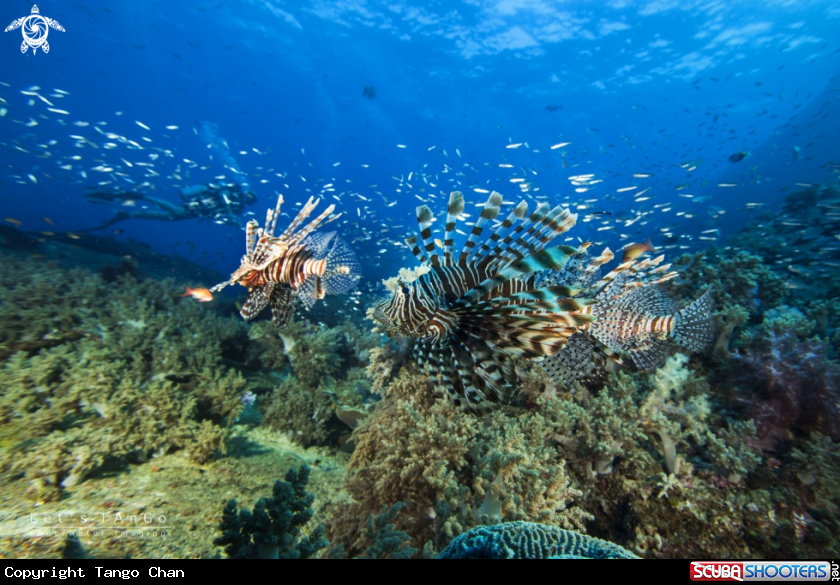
[405, 290]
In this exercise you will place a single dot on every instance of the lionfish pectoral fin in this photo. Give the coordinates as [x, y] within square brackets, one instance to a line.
[484, 379]
[536, 342]
[257, 301]
[648, 354]
[282, 306]
[307, 292]
[580, 359]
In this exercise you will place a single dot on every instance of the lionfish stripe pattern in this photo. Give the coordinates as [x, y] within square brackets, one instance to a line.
[508, 297]
[299, 265]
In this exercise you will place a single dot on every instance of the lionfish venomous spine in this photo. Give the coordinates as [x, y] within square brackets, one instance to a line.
[508, 296]
[297, 265]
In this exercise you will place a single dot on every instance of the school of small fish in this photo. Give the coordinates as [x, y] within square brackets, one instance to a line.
[621, 207]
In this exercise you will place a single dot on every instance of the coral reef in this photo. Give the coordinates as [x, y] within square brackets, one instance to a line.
[131, 371]
[529, 540]
[273, 529]
[798, 242]
[730, 453]
[323, 392]
[453, 471]
[403, 449]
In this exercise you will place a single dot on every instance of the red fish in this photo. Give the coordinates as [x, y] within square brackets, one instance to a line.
[202, 295]
[633, 251]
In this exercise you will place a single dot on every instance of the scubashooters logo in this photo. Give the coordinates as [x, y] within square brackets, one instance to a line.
[760, 571]
[35, 29]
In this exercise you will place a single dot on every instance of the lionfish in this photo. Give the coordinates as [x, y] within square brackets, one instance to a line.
[297, 265]
[508, 296]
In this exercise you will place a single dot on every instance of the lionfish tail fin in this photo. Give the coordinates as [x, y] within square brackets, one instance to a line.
[693, 327]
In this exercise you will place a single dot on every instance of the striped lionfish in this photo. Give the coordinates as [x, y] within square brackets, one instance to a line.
[510, 297]
[299, 264]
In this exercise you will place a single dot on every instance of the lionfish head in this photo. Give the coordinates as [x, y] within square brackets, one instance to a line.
[399, 313]
[248, 275]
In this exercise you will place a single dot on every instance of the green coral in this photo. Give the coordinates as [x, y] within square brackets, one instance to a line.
[403, 450]
[732, 450]
[452, 470]
[325, 387]
[677, 409]
[143, 375]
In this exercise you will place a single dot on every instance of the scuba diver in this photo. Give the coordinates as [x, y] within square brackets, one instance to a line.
[220, 203]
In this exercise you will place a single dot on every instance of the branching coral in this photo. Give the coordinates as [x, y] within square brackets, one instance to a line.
[273, 529]
[676, 409]
[388, 542]
[733, 450]
[521, 479]
[817, 466]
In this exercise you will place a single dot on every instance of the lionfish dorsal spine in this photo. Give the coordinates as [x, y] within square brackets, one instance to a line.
[271, 218]
[543, 226]
[425, 217]
[518, 213]
[302, 215]
[294, 235]
[548, 259]
[411, 242]
[250, 238]
[325, 218]
[455, 209]
[490, 211]
[516, 239]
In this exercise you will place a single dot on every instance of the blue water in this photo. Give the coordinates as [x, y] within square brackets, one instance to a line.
[634, 87]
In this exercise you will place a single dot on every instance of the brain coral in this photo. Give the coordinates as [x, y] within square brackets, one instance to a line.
[528, 540]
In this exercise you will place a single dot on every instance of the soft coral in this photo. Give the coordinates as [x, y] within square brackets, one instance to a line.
[792, 386]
